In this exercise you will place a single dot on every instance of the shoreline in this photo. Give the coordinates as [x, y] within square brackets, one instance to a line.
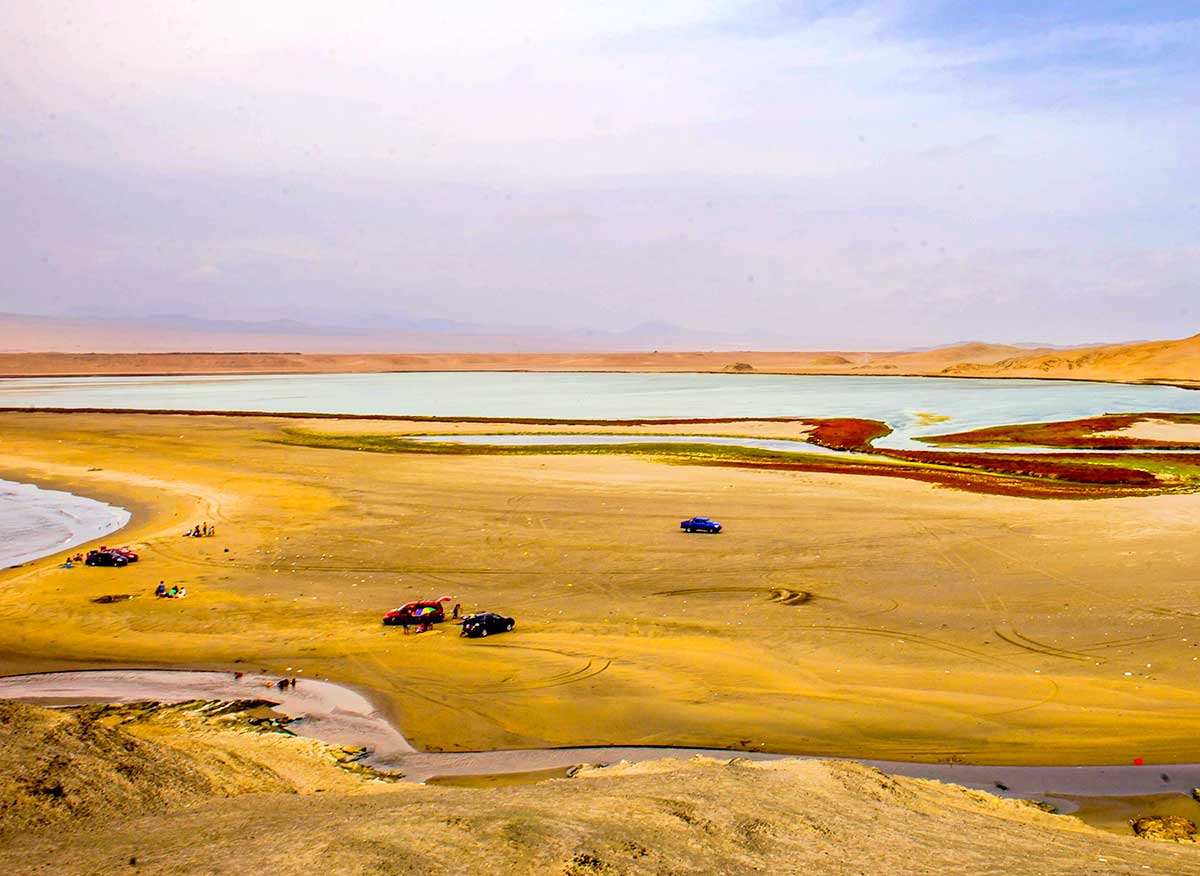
[27, 507]
[340, 714]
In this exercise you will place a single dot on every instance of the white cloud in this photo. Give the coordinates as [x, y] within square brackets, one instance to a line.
[849, 166]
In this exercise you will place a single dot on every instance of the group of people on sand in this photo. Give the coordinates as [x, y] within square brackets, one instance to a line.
[201, 530]
[72, 560]
[282, 684]
[175, 591]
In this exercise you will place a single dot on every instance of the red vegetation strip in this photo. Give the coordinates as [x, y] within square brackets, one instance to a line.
[1032, 467]
[1074, 433]
[846, 433]
[969, 481]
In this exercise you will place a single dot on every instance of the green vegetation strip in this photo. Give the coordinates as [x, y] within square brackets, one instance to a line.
[1039, 476]
[684, 449]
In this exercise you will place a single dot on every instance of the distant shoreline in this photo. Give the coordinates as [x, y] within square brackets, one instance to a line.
[1143, 381]
[1171, 362]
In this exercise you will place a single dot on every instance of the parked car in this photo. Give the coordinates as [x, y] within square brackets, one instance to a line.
[700, 524]
[130, 556]
[485, 623]
[105, 558]
[424, 611]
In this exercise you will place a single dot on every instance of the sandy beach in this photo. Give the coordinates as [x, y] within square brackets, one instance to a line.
[943, 626]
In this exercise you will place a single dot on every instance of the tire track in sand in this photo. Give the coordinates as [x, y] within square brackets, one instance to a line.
[781, 595]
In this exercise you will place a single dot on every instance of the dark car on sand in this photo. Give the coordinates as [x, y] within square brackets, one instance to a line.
[700, 524]
[485, 623]
[105, 558]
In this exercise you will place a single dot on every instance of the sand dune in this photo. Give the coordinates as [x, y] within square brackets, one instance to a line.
[1153, 360]
[131, 789]
[1168, 361]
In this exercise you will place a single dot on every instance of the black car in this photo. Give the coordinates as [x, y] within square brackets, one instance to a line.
[105, 558]
[485, 623]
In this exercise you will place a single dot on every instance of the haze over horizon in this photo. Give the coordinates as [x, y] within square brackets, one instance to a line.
[860, 175]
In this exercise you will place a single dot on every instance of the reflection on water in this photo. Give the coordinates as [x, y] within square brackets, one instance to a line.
[912, 406]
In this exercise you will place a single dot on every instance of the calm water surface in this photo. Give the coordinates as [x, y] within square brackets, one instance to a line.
[899, 401]
[36, 522]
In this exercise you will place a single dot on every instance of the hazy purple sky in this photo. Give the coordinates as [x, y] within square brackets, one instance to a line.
[897, 173]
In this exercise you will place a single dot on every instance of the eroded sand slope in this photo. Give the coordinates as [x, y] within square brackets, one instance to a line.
[161, 791]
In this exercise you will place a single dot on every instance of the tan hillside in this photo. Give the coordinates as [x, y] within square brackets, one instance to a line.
[1152, 360]
[139, 805]
[820, 362]
[96, 762]
[1167, 361]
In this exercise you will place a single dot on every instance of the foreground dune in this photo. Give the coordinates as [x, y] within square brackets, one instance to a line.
[131, 789]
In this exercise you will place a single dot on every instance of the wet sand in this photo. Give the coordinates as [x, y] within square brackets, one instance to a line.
[324, 711]
[336, 714]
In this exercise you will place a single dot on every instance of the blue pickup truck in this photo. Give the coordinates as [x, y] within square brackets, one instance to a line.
[700, 524]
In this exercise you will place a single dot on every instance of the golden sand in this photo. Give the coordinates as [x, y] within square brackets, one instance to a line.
[943, 625]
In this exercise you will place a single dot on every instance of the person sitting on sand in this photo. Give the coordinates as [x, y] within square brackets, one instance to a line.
[182, 593]
[204, 528]
[161, 590]
[173, 592]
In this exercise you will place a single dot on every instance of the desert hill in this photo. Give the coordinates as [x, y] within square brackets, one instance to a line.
[1153, 360]
[1163, 361]
[106, 790]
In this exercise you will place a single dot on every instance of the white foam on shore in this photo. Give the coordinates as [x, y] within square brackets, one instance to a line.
[35, 523]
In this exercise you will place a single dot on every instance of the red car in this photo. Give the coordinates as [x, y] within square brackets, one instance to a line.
[130, 556]
[105, 558]
[423, 611]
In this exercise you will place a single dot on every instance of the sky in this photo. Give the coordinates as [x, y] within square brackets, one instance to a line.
[837, 174]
